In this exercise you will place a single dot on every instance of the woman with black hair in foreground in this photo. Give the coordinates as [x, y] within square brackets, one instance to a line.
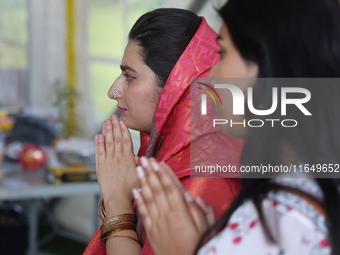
[263, 39]
[167, 47]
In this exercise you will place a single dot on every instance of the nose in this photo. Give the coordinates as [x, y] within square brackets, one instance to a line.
[116, 86]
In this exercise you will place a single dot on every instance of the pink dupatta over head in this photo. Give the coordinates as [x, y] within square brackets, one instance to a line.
[171, 135]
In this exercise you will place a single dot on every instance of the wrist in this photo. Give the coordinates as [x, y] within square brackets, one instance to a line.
[115, 207]
[116, 197]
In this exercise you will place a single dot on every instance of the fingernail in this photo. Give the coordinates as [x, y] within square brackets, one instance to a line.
[140, 172]
[135, 194]
[155, 166]
[121, 123]
[202, 204]
[144, 162]
[113, 118]
[108, 123]
[188, 197]
[100, 138]
[199, 198]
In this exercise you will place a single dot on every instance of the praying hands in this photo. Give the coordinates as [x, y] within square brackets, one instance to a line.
[115, 166]
[174, 221]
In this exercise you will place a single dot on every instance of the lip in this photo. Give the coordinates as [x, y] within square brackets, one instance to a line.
[121, 110]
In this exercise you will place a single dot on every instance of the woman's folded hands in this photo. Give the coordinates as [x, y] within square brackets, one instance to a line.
[174, 221]
[115, 166]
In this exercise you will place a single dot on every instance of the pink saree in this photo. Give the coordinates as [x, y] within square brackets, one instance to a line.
[170, 139]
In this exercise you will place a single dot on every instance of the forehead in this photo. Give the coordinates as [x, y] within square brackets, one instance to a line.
[224, 36]
[133, 60]
[132, 55]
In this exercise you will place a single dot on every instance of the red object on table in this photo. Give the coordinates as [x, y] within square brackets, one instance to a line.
[32, 157]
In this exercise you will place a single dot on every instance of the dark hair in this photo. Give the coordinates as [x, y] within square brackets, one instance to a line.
[289, 39]
[163, 35]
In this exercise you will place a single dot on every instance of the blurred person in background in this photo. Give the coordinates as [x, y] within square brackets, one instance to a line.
[166, 48]
[264, 39]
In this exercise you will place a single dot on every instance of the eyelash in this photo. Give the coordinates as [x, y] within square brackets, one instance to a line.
[221, 53]
[128, 77]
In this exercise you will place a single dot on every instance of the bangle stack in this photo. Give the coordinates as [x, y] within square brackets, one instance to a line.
[102, 209]
[115, 224]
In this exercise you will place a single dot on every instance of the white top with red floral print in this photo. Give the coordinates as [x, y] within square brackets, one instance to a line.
[296, 226]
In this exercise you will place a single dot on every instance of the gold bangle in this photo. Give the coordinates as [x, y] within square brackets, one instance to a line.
[106, 230]
[118, 220]
[112, 226]
[122, 217]
[117, 223]
[102, 209]
[129, 216]
[104, 235]
[111, 236]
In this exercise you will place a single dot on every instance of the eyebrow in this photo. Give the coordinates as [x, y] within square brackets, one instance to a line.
[124, 68]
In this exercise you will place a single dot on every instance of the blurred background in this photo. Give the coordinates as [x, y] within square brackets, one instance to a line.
[58, 59]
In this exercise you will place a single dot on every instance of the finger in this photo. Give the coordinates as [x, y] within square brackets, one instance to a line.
[203, 205]
[137, 161]
[117, 134]
[95, 152]
[173, 176]
[143, 209]
[151, 168]
[197, 214]
[127, 141]
[101, 150]
[208, 210]
[179, 200]
[172, 191]
[147, 193]
[109, 144]
[211, 216]
[103, 128]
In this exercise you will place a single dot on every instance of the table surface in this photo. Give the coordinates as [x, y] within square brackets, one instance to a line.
[49, 190]
[21, 185]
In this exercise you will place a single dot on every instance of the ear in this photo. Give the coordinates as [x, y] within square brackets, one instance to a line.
[252, 69]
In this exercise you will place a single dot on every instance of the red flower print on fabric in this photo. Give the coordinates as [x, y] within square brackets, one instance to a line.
[288, 208]
[253, 224]
[275, 203]
[211, 251]
[324, 243]
[237, 240]
[233, 226]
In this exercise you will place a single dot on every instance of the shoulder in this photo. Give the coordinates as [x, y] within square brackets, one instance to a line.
[284, 203]
[293, 223]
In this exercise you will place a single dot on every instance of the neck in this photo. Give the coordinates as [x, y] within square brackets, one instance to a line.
[288, 155]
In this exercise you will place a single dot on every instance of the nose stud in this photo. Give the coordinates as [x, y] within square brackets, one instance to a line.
[115, 93]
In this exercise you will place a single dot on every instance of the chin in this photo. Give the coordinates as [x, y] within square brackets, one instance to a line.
[130, 125]
[126, 122]
[234, 132]
[224, 129]
[136, 125]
